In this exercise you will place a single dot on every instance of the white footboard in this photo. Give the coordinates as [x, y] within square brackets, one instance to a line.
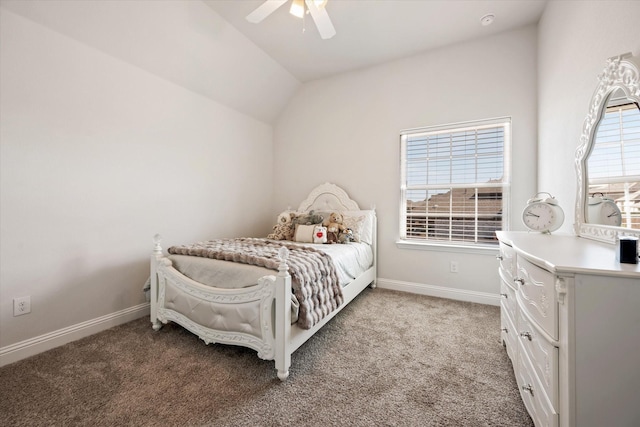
[258, 317]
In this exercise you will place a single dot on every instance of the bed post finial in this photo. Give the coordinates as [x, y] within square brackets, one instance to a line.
[283, 268]
[157, 249]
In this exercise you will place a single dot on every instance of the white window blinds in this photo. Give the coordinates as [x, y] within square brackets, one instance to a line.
[455, 182]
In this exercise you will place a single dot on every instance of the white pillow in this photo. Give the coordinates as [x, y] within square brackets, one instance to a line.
[366, 233]
[304, 233]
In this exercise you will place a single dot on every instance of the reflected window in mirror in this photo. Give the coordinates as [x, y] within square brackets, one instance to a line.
[614, 162]
[608, 156]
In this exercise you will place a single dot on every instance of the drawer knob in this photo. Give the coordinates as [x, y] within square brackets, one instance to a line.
[526, 335]
[518, 280]
[504, 295]
[528, 388]
[499, 257]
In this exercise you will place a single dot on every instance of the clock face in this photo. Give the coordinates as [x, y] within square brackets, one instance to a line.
[542, 217]
[610, 214]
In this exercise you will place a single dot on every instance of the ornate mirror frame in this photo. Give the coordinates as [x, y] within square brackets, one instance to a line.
[621, 72]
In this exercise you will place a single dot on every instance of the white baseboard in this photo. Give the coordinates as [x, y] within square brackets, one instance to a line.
[27, 348]
[31, 347]
[440, 291]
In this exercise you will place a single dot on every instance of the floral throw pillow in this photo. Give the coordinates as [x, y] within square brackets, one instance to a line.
[355, 223]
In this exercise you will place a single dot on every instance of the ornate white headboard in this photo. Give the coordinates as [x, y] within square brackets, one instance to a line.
[328, 197]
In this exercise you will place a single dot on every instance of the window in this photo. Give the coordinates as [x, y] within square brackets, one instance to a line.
[455, 182]
[614, 162]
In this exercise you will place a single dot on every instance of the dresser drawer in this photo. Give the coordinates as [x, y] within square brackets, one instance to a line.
[508, 333]
[533, 396]
[537, 296]
[507, 260]
[542, 355]
[508, 299]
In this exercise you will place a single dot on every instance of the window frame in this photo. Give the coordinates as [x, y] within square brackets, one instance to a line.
[405, 242]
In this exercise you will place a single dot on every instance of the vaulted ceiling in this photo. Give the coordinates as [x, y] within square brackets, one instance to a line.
[209, 48]
[372, 31]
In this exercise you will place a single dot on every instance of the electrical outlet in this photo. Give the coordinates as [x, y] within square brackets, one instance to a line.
[453, 266]
[21, 306]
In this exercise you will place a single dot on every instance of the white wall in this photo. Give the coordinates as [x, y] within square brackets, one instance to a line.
[103, 144]
[184, 42]
[345, 130]
[575, 40]
[98, 155]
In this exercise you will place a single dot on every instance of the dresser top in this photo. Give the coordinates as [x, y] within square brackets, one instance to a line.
[565, 253]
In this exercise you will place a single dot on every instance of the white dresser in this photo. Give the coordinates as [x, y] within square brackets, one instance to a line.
[570, 319]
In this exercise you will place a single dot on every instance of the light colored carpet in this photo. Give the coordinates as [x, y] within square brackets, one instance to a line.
[389, 359]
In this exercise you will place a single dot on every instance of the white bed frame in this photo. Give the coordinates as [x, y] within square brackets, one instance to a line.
[277, 338]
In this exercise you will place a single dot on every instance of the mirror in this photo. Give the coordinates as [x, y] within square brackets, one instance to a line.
[608, 158]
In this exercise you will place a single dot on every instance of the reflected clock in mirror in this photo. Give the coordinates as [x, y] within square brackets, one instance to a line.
[603, 210]
[608, 158]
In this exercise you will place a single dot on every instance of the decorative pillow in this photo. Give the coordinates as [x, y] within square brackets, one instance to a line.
[366, 234]
[304, 233]
[356, 224]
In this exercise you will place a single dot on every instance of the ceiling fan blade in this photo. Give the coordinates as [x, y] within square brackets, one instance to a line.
[321, 19]
[264, 10]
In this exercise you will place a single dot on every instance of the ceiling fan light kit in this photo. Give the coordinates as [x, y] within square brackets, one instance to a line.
[315, 7]
[297, 8]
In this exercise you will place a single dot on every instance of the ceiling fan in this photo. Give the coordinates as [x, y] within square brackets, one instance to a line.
[315, 7]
